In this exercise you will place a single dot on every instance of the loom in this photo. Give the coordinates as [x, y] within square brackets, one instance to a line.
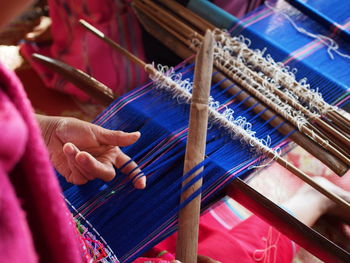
[126, 221]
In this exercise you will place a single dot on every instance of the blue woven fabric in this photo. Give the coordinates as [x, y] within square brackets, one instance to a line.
[131, 220]
[128, 221]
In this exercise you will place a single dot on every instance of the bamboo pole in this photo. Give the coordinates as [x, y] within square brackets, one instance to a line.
[169, 19]
[339, 120]
[189, 16]
[187, 241]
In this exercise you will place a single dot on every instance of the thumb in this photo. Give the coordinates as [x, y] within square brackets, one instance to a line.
[115, 138]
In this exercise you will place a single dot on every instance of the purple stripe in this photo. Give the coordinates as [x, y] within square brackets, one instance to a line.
[256, 17]
[235, 173]
[116, 105]
[343, 100]
[168, 224]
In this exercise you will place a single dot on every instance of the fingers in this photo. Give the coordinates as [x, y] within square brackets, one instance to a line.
[92, 168]
[84, 167]
[71, 173]
[115, 138]
[131, 168]
[41, 32]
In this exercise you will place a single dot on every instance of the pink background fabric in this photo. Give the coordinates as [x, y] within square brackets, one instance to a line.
[251, 240]
[238, 8]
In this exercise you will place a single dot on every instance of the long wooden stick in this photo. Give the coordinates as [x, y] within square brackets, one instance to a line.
[187, 15]
[109, 41]
[339, 120]
[305, 236]
[187, 241]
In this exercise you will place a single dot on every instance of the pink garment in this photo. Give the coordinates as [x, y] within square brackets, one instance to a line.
[238, 8]
[224, 237]
[79, 48]
[35, 224]
[250, 241]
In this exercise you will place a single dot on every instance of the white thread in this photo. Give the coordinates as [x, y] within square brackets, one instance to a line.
[332, 46]
[282, 74]
[223, 60]
[270, 247]
[238, 128]
[277, 150]
[110, 255]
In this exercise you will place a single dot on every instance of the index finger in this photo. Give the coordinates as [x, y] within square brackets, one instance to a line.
[115, 138]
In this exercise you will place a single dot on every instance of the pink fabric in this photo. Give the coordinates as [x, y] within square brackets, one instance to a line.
[238, 8]
[35, 224]
[251, 240]
[79, 48]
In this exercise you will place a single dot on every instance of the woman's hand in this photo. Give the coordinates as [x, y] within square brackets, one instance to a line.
[82, 151]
